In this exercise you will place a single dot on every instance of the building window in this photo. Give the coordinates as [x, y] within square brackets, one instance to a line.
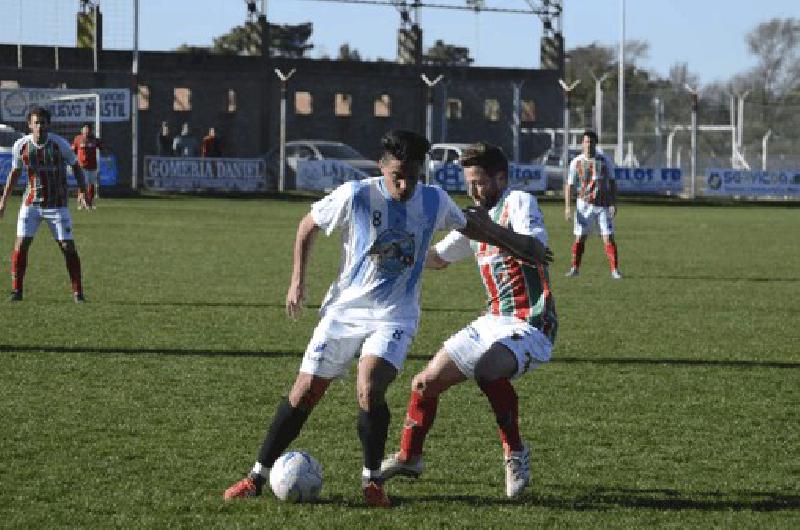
[383, 106]
[453, 110]
[303, 103]
[231, 104]
[343, 105]
[491, 109]
[9, 83]
[183, 100]
[528, 110]
[144, 97]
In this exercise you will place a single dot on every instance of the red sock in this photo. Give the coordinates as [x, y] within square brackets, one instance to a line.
[611, 252]
[74, 269]
[90, 193]
[419, 417]
[577, 254]
[19, 261]
[505, 405]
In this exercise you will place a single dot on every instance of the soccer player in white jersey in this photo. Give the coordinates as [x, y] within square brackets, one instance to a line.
[593, 175]
[45, 156]
[513, 337]
[371, 311]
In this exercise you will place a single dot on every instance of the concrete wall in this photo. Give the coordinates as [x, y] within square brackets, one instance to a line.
[253, 129]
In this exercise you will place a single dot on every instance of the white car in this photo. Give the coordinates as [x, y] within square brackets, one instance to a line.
[444, 153]
[307, 150]
[8, 135]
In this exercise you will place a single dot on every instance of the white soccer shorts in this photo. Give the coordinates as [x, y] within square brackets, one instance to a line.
[91, 176]
[530, 346]
[334, 345]
[58, 220]
[587, 215]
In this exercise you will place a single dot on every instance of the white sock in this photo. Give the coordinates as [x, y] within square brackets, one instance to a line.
[370, 474]
[260, 470]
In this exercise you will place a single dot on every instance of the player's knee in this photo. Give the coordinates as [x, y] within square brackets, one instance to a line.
[67, 246]
[426, 385]
[371, 396]
[307, 396]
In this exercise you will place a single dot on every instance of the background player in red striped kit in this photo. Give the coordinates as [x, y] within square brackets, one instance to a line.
[514, 336]
[45, 156]
[593, 176]
[86, 145]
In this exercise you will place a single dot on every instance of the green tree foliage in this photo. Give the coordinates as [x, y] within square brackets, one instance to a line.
[442, 54]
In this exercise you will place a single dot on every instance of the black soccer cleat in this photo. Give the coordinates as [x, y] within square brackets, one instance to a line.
[16, 296]
[79, 298]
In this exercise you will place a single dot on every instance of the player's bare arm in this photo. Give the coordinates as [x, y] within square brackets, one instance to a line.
[13, 176]
[306, 232]
[567, 200]
[612, 197]
[480, 227]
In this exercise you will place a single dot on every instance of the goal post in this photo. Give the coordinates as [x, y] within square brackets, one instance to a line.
[65, 126]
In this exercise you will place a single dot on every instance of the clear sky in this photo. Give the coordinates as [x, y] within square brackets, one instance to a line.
[709, 35]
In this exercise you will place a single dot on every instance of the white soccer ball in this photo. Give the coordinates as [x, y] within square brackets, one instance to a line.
[296, 477]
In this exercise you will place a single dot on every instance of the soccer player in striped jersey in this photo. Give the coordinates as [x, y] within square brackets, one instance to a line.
[45, 157]
[593, 175]
[513, 337]
[372, 310]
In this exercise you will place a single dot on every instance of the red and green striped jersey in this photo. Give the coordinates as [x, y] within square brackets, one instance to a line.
[513, 288]
[46, 166]
[591, 176]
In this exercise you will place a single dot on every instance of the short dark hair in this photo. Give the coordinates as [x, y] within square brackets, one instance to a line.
[591, 134]
[488, 156]
[38, 111]
[87, 124]
[405, 146]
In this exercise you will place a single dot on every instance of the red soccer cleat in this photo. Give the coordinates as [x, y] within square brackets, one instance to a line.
[247, 487]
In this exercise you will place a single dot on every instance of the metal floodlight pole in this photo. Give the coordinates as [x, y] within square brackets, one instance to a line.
[282, 158]
[429, 105]
[565, 147]
[598, 104]
[621, 82]
[135, 100]
[693, 95]
[516, 118]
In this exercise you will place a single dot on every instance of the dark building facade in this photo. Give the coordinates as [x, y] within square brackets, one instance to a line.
[350, 101]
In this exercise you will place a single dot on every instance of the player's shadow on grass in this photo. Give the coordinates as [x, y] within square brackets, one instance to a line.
[264, 305]
[208, 352]
[666, 499]
[605, 499]
[712, 278]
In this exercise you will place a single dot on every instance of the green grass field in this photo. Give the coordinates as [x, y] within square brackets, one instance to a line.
[672, 400]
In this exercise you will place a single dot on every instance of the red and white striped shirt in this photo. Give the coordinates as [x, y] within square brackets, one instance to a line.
[46, 166]
[592, 176]
[513, 288]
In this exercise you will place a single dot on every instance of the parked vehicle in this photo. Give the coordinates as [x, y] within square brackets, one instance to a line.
[443, 153]
[307, 150]
[8, 135]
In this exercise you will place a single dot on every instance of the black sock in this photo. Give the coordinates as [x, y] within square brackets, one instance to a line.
[285, 427]
[373, 426]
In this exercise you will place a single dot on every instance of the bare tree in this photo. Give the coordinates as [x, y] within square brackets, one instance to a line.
[776, 44]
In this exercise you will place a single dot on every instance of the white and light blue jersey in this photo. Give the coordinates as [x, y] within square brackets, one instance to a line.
[384, 244]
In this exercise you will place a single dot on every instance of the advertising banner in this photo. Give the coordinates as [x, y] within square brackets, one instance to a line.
[752, 183]
[325, 174]
[648, 180]
[115, 104]
[526, 177]
[106, 167]
[166, 173]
